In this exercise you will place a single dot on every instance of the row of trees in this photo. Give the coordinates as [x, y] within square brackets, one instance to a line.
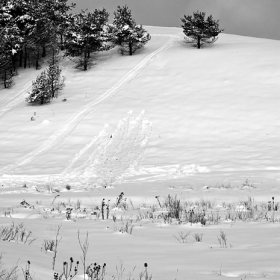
[29, 29]
[32, 28]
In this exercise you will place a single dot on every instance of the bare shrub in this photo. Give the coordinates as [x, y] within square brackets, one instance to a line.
[222, 238]
[182, 236]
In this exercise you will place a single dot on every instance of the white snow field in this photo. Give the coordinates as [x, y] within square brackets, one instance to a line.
[202, 126]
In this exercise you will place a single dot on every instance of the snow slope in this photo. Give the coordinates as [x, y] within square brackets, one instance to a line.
[216, 108]
[214, 136]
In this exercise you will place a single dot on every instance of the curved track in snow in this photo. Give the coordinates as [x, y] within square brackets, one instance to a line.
[62, 133]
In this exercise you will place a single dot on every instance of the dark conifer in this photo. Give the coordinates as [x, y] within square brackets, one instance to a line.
[86, 34]
[126, 33]
[200, 31]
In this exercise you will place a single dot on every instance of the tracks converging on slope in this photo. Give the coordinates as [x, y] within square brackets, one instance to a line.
[63, 132]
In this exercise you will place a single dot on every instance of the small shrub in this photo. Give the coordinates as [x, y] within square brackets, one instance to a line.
[222, 238]
[16, 233]
[272, 205]
[167, 219]
[174, 207]
[103, 204]
[10, 274]
[68, 187]
[213, 217]
[69, 271]
[96, 271]
[182, 236]
[49, 245]
[198, 237]
[119, 199]
[195, 216]
[248, 184]
[126, 226]
[68, 213]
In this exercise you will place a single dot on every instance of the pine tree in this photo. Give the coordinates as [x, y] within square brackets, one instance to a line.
[54, 78]
[36, 27]
[126, 33]
[200, 31]
[40, 93]
[86, 34]
[9, 46]
[47, 84]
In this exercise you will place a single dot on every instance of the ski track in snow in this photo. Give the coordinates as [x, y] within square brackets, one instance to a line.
[15, 100]
[63, 132]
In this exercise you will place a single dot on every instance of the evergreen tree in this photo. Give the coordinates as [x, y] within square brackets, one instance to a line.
[200, 31]
[54, 77]
[53, 18]
[8, 49]
[126, 33]
[47, 84]
[40, 93]
[36, 26]
[86, 34]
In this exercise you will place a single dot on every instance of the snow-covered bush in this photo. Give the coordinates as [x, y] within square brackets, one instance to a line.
[125, 33]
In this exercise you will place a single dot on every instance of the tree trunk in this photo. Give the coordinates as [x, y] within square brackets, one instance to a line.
[61, 42]
[44, 52]
[37, 59]
[85, 61]
[130, 48]
[198, 43]
[25, 57]
[5, 78]
[20, 58]
[51, 80]
[13, 63]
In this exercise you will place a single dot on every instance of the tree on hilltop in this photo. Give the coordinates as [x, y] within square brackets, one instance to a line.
[126, 33]
[200, 31]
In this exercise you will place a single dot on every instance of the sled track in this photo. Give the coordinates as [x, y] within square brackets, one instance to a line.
[62, 133]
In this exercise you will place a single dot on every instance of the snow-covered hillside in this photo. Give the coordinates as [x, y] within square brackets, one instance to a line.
[213, 110]
[204, 130]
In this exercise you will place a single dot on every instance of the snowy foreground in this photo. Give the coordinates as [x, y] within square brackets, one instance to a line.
[204, 130]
